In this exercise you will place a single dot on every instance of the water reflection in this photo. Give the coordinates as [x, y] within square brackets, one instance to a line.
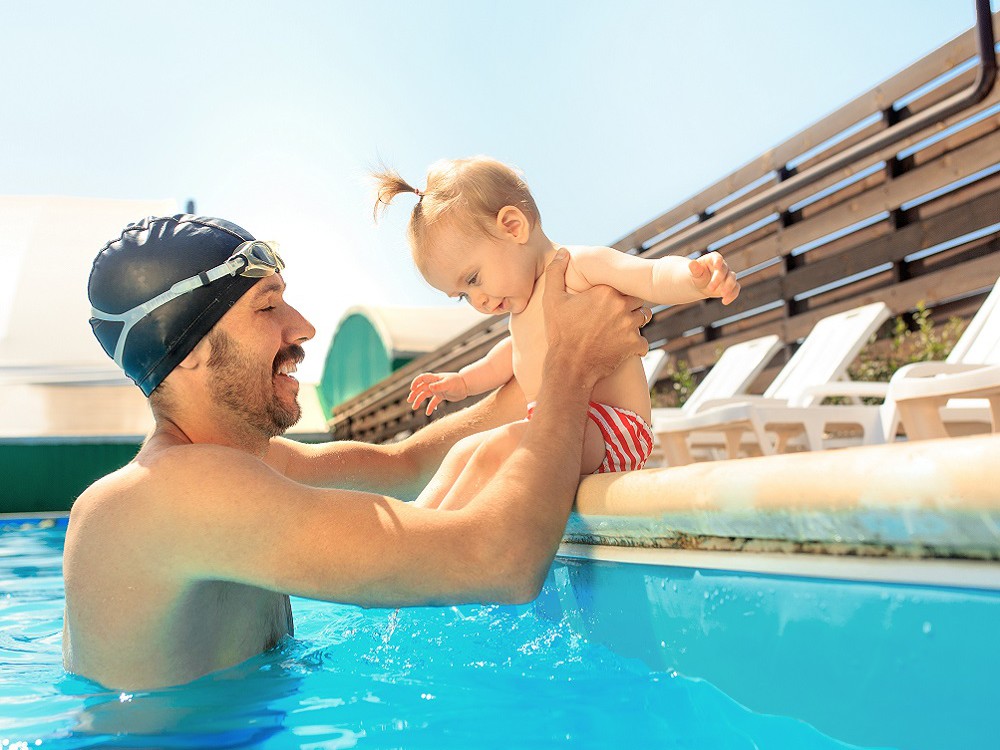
[237, 707]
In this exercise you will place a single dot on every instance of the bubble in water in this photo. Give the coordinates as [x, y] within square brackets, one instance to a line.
[927, 628]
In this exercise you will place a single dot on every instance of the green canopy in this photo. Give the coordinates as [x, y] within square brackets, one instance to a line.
[371, 342]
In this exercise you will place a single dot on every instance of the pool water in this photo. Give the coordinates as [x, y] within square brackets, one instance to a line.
[541, 675]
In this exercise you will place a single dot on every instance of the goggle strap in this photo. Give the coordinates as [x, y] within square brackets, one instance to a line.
[231, 267]
[137, 313]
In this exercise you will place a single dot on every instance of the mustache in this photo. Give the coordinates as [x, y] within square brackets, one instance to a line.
[293, 354]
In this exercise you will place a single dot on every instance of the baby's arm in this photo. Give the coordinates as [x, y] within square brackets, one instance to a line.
[667, 281]
[490, 372]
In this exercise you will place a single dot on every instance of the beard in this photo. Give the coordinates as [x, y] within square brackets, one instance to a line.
[236, 385]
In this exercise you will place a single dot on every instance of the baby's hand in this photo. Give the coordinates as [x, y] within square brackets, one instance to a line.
[713, 277]
[438, 387]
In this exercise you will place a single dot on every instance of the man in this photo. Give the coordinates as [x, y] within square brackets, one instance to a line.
[181, 562]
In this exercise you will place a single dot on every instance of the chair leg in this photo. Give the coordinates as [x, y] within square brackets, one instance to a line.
[768, 446]
[734, 439]
[814, 435]
[784, 435]
[921, 418]
[675, 448]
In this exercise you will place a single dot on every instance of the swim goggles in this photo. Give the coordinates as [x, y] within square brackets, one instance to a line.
[254, 259]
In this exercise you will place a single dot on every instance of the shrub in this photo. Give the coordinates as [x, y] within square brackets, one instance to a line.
[675, 387]
[921, 342]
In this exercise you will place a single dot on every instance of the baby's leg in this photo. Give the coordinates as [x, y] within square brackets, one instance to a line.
[484, 464]
[449, 470]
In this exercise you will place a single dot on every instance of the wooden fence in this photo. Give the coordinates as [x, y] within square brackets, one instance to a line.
[918, 223]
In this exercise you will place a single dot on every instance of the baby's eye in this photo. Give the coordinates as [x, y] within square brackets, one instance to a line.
[473, 280]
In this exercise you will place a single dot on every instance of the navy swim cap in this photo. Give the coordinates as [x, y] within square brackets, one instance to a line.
[146, 260]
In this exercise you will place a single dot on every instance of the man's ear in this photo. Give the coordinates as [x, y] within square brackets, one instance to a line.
[198, 356]
[513, 224]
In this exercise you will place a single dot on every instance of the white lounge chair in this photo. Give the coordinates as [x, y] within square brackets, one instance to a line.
[932, 399]
[653, 363]
[923, 393]
[823, 358]
[732, 375]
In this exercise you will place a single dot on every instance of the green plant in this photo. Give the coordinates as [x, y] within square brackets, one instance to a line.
[674, 389]
[919, 342]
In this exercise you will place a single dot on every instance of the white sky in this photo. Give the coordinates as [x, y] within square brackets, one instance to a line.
[270, 114]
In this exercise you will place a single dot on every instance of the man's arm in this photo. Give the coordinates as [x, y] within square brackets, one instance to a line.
[400, 469]
[262, 529]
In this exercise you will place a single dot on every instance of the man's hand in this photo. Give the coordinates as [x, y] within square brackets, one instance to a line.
[598, 328]
[438, 387]
[713, 277]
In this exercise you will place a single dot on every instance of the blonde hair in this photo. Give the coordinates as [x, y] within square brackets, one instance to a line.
[468, 191]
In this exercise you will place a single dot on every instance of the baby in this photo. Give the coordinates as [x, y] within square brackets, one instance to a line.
[476, 234]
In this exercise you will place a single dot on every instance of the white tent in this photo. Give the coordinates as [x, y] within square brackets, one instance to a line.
[47, 350]
[372, 341]
[48, 245]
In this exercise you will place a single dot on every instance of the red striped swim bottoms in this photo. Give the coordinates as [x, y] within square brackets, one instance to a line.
[628, 440]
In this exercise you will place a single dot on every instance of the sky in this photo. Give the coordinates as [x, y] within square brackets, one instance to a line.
[272, 114]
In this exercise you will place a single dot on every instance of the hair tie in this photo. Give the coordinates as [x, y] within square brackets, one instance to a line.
[418, 193]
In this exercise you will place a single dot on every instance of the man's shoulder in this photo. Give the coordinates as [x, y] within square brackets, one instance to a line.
[166, 474]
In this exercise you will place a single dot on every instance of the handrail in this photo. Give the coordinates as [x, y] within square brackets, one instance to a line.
[980, 88]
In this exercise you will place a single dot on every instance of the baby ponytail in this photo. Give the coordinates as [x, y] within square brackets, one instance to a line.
[469, 192]
[388, 184]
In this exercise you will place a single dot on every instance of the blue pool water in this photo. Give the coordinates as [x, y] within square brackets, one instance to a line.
[610, 655]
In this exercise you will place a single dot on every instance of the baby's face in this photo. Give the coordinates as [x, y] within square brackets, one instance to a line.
[496, 276]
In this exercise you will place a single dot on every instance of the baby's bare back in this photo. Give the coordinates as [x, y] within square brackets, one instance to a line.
[625, 388]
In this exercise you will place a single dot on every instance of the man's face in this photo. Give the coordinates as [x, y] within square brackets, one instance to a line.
[254, 351]
[246, 385]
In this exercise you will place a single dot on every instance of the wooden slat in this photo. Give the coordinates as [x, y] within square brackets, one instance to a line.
[962, 195]
[878, 98]
[901, 298]
[891, 248]
[699, 243]
[962, 162]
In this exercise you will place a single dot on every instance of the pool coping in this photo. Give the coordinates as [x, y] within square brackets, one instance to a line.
[934, 499]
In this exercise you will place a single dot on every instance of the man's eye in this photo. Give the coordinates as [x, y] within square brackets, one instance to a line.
[266, 309]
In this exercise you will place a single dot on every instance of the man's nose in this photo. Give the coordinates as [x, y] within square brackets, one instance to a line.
[299, 329]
